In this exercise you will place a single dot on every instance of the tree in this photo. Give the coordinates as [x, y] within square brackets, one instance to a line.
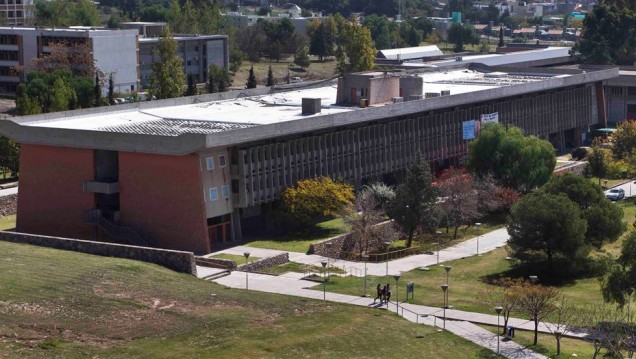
[358, 52]
[550, 224]
[621, 274]
[111, 89]
[501, 37]
[251, 79]
[362, 217]
[382, 194]
[604, 220]
[302, 57]
[167, 79]
[236, 59]
[322, 39]
[414, 206]
[219, 79]
[608, 328]
[270, 77]
[538, 302]
[516, 161]
[503, 292]
[192, 86]
[605, 38]
[624, 139]
[459, 203]
[598, 160]
[320, 196]
[67, 13]
[10, 155]
[97, 91]
[563, 319]
[461, 34]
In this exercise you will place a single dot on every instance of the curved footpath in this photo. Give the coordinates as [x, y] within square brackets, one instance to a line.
[459, 322]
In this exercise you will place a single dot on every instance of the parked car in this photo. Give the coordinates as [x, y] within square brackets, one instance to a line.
[296, 80]
[615, 194]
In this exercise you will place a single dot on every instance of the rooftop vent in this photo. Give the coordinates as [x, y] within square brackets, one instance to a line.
[495, 75]
[414, 97]
[431, 94]
[445, 93]
[398, 99]
[459, 58]
[311, 106]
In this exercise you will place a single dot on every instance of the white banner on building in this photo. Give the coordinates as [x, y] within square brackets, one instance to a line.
[490, 118]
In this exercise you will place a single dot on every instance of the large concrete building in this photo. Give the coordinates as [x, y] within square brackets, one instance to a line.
[193, 173]
[18, 12]
[114, 51]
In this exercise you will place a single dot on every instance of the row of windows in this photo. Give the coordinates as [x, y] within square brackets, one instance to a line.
[47, 40]
[209, 162]
[11, 14]
[10, 2]
[8, 39]
[9, 55]
[6, 71]
[214, 193]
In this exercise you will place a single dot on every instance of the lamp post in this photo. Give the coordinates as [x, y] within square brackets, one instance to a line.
[247, 255]
[447, 269]
[630, 291]
[324, 282]
[445, 290]
[397, 293]
[366, 258]
[438, 233]
[534, 279]
[329, 246]
[498, 310]
[478, 225]
[388, 245]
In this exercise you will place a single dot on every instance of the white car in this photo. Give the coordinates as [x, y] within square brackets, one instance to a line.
[615, 194]
[296, 80]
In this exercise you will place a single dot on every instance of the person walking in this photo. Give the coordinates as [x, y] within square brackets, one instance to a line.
[379, 292]
[387, 293]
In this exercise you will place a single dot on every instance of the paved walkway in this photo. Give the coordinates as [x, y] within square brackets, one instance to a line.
[8, 191]
[486, 243]
[461, 323]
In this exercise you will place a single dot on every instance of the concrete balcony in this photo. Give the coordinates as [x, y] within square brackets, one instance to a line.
[101, 187]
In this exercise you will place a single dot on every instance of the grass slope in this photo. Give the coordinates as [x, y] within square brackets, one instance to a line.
[58, 304]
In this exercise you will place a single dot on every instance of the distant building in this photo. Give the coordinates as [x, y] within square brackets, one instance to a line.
[114, 51]
[410, 53]
[17, 12]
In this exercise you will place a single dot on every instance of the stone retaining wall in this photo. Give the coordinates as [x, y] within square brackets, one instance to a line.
[176, 260]
[576, 168]
[216, 263]
[8, 205]
[344, 246]
[264, 263]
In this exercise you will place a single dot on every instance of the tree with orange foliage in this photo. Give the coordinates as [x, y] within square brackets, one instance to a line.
[459, 197]
[314, 197]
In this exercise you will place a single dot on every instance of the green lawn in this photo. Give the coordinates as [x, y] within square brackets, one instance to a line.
[59, 304]
[610, 183]
[547, 344]
[235, 257]
[7, 222]
[300, 241]
[299, 268]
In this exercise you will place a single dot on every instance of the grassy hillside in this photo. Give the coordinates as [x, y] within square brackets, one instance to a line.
[57, 304]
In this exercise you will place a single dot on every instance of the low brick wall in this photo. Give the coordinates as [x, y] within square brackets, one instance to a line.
[344, 246]
[264, 263]
[216, 263]
[176, 260]
[8, 205]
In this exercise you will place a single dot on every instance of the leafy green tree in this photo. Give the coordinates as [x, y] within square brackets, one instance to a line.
[461, 34]
[62, 95]
[302, 57]
[622, 273]
[219, 79]
[606, 36]
[236, 59]
[598, 161]
[314, 197]
[322, 39]
[550, 224]
[414, 206]
[357, 48]
[97, 92]
[67, 13]
[25, 104]
[604, 220]
[251, 79]
[192, 86]
[167, 79]
[270, 77]
[10, 155]
[518, 162]
[624, 139]
[111, 89]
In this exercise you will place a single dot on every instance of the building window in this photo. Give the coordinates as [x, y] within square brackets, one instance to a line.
[225, 191]
[221, 160]
[209, 163]
[214, 194]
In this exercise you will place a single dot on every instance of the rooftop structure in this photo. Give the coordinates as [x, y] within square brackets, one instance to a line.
[409, 53]
[193, 173]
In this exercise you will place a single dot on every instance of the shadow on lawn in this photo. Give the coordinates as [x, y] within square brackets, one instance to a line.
[560, 273]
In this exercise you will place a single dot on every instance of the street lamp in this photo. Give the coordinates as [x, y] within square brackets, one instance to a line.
[324, 282]
[397, 293]
[498, 310]
[438, 233]
[447, 269]
[366, 258]
[478, 225]
[247, 255]
[388, 246]
[445, 289]
[629, 291]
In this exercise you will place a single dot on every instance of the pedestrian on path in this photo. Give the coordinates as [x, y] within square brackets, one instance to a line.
[380, 293]
[387, 293]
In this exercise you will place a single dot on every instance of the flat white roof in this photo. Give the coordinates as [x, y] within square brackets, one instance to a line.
[410, 52]
[510, 58]
[243, 112]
